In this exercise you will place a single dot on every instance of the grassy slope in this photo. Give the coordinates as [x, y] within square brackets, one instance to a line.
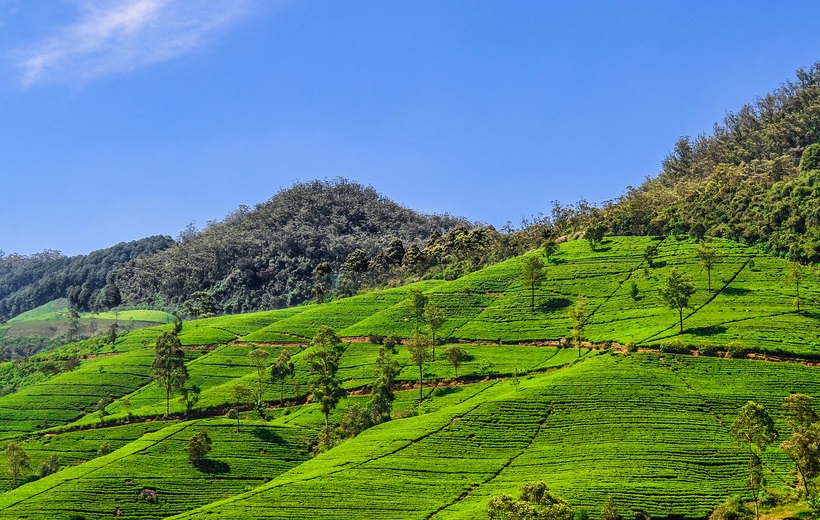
[647, 430]
[748, 303]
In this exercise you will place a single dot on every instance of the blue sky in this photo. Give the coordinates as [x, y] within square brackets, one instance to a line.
[126, 118]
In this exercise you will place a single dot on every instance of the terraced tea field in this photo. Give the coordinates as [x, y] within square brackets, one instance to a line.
[649, 430]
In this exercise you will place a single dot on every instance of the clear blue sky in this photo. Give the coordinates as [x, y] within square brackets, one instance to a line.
[126, 118]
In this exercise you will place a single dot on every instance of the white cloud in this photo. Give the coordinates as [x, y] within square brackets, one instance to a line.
[115, 36]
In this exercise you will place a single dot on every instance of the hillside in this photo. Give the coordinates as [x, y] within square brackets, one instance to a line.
[266, 256]
[743, 181]
[646, 428]
[27, 282]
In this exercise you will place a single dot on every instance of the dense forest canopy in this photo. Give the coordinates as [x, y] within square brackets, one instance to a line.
[28, 281]
[743, 181]
[265, 257]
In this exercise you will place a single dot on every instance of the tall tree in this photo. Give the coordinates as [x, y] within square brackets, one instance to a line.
[198, 447]
[17, 460]
[168, 367]
[381, 394]
[243, 395]
[650, 254]
[677, 291]
[419, 349]
[754, 430]
[189, 397]
[73, 332]
[325, 387]
[322, 281]
[550, 248]
[578, 318]
[595, 235]
[796, 275]
[803, 447]
[434, 317]
[456, 356]
[281, 370]
[708, 257]
[533, 275]
[418, 303]
[259, 360]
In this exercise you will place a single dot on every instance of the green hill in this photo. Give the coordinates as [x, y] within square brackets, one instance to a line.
[649, 429]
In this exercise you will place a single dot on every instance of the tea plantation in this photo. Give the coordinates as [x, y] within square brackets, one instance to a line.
[645, 427]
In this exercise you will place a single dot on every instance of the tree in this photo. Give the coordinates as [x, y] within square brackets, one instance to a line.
[350, 274]
[594, 235]
[732, 509]
[17, 460]
[578, 318]
[325, 386]
[190, 397]
[798, 412]
[168, 367]
[650, 254]
[455, 355]
[259, 360]
[536, 502]
[112, 333]
[803, 447]
[419, 349]
[243, 396]
[281, 370]
[49, 467]
[754, 429]
[708, 257]
[322, 281]
[201, 304]
[810, 160]
[101, 406]
[550, 248]
[677, 291]
[198, 447]
[381, 394]
[796, 275]
[609, 511]
[533, 275]
[418, 303]
[434, 317]
[73, 332]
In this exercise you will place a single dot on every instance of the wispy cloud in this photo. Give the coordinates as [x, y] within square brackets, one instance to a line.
[115, 36]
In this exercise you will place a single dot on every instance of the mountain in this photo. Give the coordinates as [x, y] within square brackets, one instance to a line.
[265, 257]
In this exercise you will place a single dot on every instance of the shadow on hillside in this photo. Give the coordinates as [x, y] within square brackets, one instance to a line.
[711, 330]
[556, 261]
[267, 435]
[552, 304]
[212, 467]
[736, 291]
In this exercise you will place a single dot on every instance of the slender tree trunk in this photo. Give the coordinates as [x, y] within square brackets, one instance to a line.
[680, 313]
[709, 278]
[167, 400]
[282, 393]
[421, 388]
[532, 297]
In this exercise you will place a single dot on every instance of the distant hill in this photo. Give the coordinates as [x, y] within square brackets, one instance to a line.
[744, 181]
[265, 257]
[28, 281]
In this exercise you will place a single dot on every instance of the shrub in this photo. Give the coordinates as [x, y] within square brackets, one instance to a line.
[631, 347]
[732, 509]
[375, 339]
[736, 350]
[104, 449]
[810, 160]
[707, 350]
[675, 347]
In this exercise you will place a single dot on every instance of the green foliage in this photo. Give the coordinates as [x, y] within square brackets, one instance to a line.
[533, 275]
[324, 358]
[17, 460]
[198, 447]
[810, 159]
[381, 393]
[536, 502]
[200, 304]
[168, 367]
[732, 509]
[456, 356]
[677, 291]
[754, 429]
